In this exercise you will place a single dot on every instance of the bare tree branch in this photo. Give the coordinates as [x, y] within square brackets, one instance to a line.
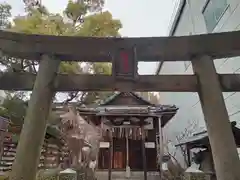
[187, 132]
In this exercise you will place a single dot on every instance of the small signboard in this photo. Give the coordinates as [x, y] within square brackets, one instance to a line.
[149, 144]
[104, 144]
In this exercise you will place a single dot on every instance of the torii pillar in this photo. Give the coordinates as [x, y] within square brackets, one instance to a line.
[224, 151]
[35, 122]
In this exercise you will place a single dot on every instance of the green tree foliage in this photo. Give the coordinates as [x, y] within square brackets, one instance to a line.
[40, 21]
[14, 108]
[75, 11]
[100, 25]
[5, 14]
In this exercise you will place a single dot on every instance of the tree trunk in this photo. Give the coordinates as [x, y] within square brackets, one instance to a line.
[34, 128]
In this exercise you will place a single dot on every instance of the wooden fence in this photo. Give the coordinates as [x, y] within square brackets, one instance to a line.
[54, 152]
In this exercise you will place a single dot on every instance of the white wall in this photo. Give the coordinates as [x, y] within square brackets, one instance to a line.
[192, 21]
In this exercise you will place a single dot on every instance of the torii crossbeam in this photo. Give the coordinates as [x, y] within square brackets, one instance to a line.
[201, 50]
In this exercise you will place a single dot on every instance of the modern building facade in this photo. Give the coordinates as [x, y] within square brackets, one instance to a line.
[200, 17]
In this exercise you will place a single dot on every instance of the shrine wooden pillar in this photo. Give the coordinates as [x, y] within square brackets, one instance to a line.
[128, 169]
[160, 145]
[144, 153]
[224, 151]
[188, 156]
[35, 122]
[110, 155]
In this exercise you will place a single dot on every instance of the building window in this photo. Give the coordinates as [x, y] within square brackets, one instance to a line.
[213, 11]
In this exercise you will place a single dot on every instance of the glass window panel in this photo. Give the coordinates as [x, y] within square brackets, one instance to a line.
[213, 13]
[220, 7]
[209, 16]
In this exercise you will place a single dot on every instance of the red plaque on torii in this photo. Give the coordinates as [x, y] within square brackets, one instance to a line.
[125, 64]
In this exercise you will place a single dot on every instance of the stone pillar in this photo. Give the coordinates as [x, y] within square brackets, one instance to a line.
[225, 156]
[35, 122]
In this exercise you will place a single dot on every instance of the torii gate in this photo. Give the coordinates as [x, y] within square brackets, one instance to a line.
[124, 53]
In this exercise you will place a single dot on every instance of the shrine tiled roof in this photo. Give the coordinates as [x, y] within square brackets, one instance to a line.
[109, 99]
[150, 110]
[195, 138]
[141, 107]
[166, 112]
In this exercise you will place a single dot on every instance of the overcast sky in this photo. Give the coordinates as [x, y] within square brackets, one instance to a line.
[140, 18]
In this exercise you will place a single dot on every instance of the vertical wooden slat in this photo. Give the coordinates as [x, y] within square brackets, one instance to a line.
[127, 149]
[144, 153]
[110, 155]
[220, 134]
[188, 156]
[160, 139]
[35, 122]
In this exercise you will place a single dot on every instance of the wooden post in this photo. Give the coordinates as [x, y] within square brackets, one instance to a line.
[127, 149]
[144, 153]
[35, 122]
[110, 155]
[160, 136]
[46, 154]
[128, 170]
[224, 151]
[188, 156]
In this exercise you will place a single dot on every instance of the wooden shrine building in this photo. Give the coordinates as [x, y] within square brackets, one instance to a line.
[130, 139]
